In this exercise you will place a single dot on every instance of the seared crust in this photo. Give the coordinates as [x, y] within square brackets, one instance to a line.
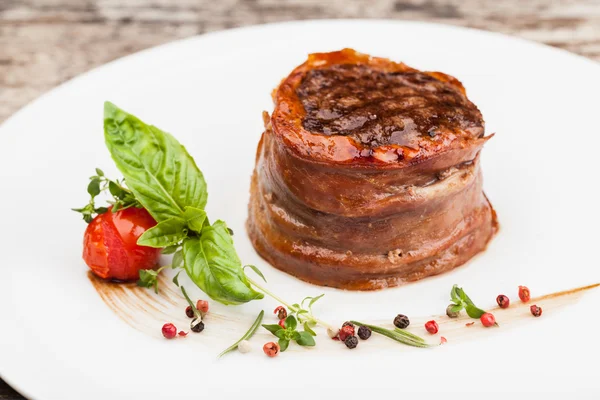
[336, 210]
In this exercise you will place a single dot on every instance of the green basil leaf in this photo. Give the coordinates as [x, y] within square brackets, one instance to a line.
[473, 311]
[170, 249]
[159, 171]
[283, 334]
[308, 329]
[306, 339]
[195, 218]
[273, 328]
[177, 259]
[94, 187]
[165, 233]
[283, 344]
[290, 322]
[212, 263]
[255, 269]
[295, 335]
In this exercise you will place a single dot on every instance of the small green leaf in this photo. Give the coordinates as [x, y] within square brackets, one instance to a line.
[283, 334]
[195, 218]
[314, 300]
[255, 269]
[177, 260]
[473, 311]
[166, 233]
[176, 279]
[305, 339]
[148, 278]
[94, 187]
[456, 308]
[308, 329]
[283, 344]
[116, 190]
[272, 328]
[99, 172]
[170, 249]
[290, 322]
[101, 210]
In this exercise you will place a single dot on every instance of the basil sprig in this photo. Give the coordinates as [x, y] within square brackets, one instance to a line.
[166, 181]
[460, 300]
[289, 333]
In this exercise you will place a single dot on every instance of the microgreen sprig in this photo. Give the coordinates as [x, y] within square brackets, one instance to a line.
[460, 301]
[399, 335]
[289, 333]
[122, 197]
[247, 335]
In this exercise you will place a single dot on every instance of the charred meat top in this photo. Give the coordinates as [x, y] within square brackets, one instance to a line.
[377, 107]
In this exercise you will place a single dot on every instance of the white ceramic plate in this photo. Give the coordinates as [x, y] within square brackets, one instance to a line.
[59, 340]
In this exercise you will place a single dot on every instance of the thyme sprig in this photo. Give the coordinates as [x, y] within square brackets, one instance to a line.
[253, 328]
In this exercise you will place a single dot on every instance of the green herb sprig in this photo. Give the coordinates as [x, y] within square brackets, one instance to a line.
[289, 333]
[399, 335]
[122, 197]
[253, 328]
[461, 301]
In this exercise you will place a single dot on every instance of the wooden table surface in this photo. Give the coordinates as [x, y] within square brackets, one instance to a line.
[46, 42]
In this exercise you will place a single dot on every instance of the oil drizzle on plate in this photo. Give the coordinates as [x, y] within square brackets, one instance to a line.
[147, 311]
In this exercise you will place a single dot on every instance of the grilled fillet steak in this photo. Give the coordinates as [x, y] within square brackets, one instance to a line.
[367, 174]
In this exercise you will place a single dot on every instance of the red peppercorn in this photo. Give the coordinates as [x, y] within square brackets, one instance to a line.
[271, 349]
[443, 340]
[202, 306]
[432, 327]
[182, 334]
[189, 312]
[169, 331]
[503, 301]
[535, 310]
[488, 320]
[345, 332]
[281, 312]
[282, 323]
[524, 294]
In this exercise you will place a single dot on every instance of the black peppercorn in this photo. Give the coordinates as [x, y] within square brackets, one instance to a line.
[196, 326]
[351, 342]
[450, 313]
[348, 323]
[189, 312]
[364, 332]
[401, 321]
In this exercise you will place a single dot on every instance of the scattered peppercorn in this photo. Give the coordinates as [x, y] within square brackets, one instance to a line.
[197, 326]
[443, 340]
[488, 320]
[524, 294]
[450, 313]
[432, 327]
[202, 306]
[503, 301]
[346, 331]
[401, 321]
[244, 346]
[282, 323]
[189, 312]
[348, 323]
[351, 342]
[281, 312]
[182, 334]
[364, 332]
[535, 310]
[469, 324]
[333, 334]
[271, 349]
[169, 331]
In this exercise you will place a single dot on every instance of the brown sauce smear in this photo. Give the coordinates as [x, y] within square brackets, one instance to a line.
[145, 311]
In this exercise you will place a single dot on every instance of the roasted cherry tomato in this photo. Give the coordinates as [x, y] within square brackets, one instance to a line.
[110, 244]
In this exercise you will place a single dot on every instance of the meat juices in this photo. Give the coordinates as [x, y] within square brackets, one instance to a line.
[367, 175]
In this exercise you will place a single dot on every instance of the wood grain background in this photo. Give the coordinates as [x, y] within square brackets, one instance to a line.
[46, 42]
